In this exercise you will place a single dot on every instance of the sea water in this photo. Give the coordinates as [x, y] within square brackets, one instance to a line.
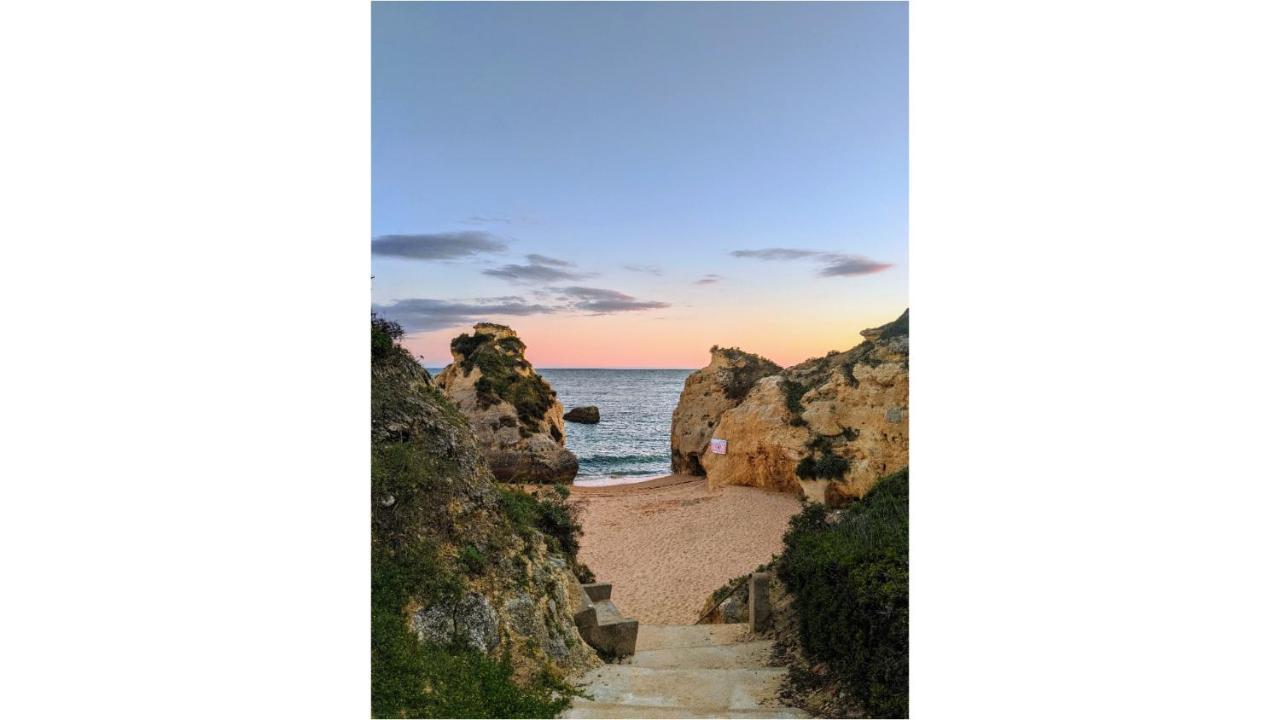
[632, 441]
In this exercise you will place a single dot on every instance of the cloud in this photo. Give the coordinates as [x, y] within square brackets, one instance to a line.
[537, 259]
[425, 314]
[853, 265]
[534, 273]
[437, 246]
[777, 253]
[601, 301]
[708, 280]
[487, 220]
[540, 269]
[835, 264]
[650, 269]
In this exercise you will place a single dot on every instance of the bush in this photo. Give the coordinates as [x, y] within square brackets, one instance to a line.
[828, 466]
[498, 362]
[848, 573]
[384, 334]
[553, 516]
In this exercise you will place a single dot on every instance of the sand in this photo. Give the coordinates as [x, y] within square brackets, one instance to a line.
[667, 544]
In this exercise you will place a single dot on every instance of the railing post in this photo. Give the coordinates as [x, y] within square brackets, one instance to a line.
[758, 601]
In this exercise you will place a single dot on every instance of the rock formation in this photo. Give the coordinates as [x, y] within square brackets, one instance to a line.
[450, 565]
[828, 427]
[513, 411]
[707, 394]
[588, 414]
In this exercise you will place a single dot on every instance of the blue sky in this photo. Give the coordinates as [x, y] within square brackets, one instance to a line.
[644, 144]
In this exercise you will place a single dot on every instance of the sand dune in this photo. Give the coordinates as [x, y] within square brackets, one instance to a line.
[667, 544]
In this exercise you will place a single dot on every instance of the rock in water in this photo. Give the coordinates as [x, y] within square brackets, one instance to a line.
[707, 394]
[589, 414]
[829, 427]
[513, 411]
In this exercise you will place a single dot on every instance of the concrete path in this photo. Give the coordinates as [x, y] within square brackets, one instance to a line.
[687, 671]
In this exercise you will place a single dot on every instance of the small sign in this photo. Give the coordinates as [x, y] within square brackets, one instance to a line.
[719, 446]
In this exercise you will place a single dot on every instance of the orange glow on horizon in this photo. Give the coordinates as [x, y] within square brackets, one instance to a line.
[667, 342]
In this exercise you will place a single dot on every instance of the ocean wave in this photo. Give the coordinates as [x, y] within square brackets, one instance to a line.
[606, 458]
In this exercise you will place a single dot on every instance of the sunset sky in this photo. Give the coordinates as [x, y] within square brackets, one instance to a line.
[627, 185]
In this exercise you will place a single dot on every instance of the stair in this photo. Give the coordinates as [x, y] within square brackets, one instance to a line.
[687, 671]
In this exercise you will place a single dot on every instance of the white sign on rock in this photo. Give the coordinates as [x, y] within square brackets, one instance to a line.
[719, 446]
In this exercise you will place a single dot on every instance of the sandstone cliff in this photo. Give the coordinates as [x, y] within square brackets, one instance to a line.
[512, 410]
[828, 427]
[455, 570]
[707, 394]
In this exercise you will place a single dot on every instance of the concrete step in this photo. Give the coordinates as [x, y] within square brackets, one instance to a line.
[665, 637]
[740, 655]
[710, 690]
[584, 709]
[607, 613]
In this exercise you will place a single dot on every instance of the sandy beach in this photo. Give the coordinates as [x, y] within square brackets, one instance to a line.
[666, 544]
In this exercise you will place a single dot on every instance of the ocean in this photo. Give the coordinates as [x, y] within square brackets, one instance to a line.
[633, 439]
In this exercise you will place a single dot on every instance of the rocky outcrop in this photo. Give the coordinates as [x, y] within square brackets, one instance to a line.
[451, 565]
[828, 427]
[512, 410]
[707, 394]
[587, 414]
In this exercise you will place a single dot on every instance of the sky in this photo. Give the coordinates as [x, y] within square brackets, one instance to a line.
[628, 184]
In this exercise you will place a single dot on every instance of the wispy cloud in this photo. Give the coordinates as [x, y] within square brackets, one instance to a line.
[648, 269]
[540, 269]
[604, 302]
[834, 264]
[708, 280]
[777, 253]
[487, 220]
[438, 246]
[853, 265]
[425, 314]
[544, 260]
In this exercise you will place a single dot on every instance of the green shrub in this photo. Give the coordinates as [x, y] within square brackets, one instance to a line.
[499, 381]
[793, 391]
[828, 466]
[553, 516]
[384, 334]
[472, 559]
[849, 579]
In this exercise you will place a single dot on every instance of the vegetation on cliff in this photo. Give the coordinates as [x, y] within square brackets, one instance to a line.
[444, 539]
[742, 370]
[847, 573]
[506, 375]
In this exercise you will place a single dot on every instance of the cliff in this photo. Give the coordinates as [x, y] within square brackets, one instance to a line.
[828, 427]
[472, 594]
[514, 413]
[707, 394]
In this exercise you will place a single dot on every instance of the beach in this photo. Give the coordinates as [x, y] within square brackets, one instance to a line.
[668, 543]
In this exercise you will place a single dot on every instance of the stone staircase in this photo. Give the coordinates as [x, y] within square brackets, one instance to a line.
[687, 671]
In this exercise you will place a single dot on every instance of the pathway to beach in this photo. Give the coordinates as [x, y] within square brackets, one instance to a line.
[667, 544]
